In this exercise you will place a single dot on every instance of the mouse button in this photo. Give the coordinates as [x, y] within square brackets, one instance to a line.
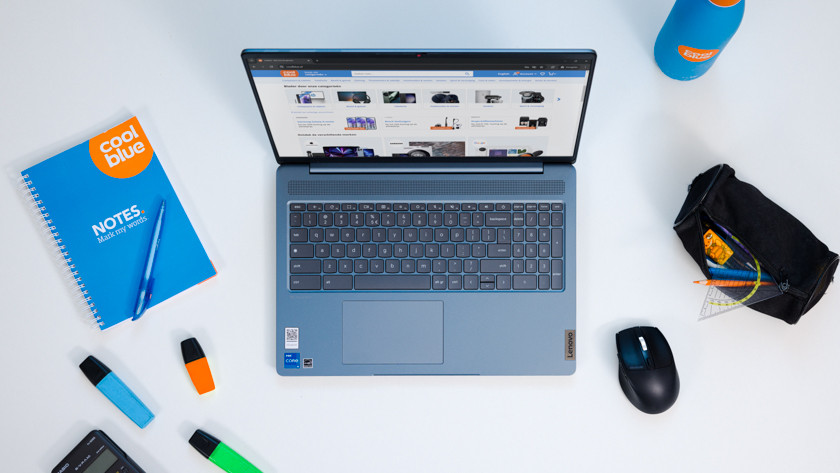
[658, 347]
[629, 351]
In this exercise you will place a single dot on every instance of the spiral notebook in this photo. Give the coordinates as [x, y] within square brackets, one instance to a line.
[99, 201]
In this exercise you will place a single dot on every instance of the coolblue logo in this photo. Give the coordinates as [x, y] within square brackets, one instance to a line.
[291, 360]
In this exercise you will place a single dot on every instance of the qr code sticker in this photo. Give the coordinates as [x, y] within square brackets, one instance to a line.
[292, 338]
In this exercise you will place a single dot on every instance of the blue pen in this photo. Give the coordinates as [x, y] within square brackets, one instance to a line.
[116, 391]
[144, 295]
[738, 274]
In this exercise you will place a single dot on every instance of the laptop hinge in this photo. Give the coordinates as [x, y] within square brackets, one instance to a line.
[425, 168]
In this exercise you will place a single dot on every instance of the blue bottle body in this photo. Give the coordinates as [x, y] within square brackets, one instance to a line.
[694, 34]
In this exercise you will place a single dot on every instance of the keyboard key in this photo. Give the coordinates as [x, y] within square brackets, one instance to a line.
[393, 282]
[297, 207]
[301, 251]
[338, 283]
[531, 266]
[557, 206]
[498, 219]
[345, 266]
[556, 242]
[503, 282]
[438, 283]
[479, 250]
[305, 283]
[361, 266]
[470, 282]
[314, 207]
[524, 282]
[325, 219]
[322, 250]
[297, 235]
[495, 266]
[311, 266]
[454, 282]
[498, 251]
[557, 274]
[295, 219]
[557, 219]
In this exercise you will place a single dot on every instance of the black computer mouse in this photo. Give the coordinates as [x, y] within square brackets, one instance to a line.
[646, 369]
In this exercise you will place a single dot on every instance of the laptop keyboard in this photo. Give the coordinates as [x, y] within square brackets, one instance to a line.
[426, 246]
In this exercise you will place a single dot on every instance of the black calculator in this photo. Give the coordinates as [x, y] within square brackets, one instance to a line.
[97, 453]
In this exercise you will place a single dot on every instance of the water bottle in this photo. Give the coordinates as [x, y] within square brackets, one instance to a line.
[694, 34]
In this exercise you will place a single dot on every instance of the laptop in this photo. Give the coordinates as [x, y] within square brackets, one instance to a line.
[425, 208]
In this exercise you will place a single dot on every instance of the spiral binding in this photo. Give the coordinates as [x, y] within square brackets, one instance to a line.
[61, 256]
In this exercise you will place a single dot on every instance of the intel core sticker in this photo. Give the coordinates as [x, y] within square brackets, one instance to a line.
[291, 361]
[292, 338]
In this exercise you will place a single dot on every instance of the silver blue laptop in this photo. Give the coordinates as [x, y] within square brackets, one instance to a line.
[425, 208]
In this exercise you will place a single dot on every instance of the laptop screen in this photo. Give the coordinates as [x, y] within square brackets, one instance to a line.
[414, 105]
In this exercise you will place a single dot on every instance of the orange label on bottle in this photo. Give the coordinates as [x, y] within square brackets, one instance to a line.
[725, 3]
[697, 55]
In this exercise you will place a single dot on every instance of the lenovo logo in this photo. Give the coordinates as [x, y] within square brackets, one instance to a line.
[569, 342]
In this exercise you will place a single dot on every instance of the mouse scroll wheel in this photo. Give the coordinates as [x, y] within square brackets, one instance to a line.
[645, 352]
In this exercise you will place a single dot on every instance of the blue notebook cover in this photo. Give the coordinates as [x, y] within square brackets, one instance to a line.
[100, 200]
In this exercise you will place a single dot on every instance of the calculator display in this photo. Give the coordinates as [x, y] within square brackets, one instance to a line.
[105, 460]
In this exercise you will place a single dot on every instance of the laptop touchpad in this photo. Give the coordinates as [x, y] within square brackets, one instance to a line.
[392, 332]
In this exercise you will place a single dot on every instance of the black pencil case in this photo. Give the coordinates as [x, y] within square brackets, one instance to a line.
[800, 264]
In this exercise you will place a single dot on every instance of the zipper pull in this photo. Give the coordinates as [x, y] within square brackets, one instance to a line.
[784, 286]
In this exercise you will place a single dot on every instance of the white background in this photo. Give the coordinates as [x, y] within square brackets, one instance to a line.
[757, 394]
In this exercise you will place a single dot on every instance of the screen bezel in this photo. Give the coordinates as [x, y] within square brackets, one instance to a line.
[427, 57]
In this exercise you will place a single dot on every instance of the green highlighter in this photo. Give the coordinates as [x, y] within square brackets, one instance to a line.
[223, 456]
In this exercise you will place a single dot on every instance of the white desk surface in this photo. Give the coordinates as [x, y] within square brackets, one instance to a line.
[757, 394]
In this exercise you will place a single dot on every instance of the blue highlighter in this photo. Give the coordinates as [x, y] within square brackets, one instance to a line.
[116, 391]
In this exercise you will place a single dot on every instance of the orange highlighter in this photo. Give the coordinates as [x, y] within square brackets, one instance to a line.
[197, 366]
